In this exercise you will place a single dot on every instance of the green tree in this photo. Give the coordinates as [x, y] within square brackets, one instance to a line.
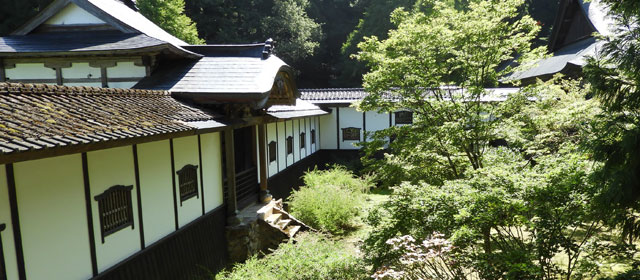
[169, 15]
[415, 68]
[615, 78]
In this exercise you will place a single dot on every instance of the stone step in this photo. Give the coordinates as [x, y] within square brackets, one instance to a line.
[265, 211]
[283, 223]
[273, 219]
[292, 230]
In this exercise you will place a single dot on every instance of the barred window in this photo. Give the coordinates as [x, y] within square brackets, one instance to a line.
[303, 140]
[273, 149]
[289, 145]
[351, 134]
[404, 117]
[313, 136]
[188, 182]
[114, 209]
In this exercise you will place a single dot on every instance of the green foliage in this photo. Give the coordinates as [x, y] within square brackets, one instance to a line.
[414, 68]
[311, 257]
[330, 199]
[169, 15]
[615, 77]
[16, 13]
[296, 35]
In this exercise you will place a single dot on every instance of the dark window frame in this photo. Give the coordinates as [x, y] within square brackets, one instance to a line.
[273, 151]
[350, 133]
[188, 182]
[289, 145]
[404, 117]
[313, 136]
[303, 140]
[115, 209]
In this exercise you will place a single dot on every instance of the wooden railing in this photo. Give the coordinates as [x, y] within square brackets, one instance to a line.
[247, 187]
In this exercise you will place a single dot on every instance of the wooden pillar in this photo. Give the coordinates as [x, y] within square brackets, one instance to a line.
[3, 74]
[264, 177]
[232, 201]
[103, 65]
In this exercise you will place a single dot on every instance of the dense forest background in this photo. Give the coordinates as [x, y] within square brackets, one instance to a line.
[317, 37]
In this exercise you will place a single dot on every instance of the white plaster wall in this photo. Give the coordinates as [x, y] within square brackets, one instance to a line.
[304, 127]
[185, 151]
[212, 170]
[154, 163]
[314, 125]
[11, 264]
[272, 167]
[30, 71]
[258, 155]
[377, 121]
[126, 69]
[327, 124]
[53, 218]
[72, 14]
[282, 146]
[349, 117]
[108, 168]
[296, 140]
[80, 70]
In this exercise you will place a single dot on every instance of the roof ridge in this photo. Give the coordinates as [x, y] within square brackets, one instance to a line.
[9, 87]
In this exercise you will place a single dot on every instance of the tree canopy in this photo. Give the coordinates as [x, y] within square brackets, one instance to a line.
[169, 15]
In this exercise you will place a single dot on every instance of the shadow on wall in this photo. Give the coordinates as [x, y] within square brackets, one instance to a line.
[282, 184]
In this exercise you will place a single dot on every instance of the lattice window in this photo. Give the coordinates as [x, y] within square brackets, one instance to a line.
[114, 209]
[188, 182]
[289, 145]
[303, 140]
[404, 117]
[351, 134]
[273, 151]
[313, 136]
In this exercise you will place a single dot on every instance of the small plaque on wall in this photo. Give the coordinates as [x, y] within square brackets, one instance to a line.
[351, 134]
[404, 117]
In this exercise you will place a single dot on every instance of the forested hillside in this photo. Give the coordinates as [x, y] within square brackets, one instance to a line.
[317, 37]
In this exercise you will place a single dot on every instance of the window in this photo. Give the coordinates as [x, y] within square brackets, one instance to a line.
[313, 136]
[404, 117]
[351, 134]
[289, 145]
[114, 209]
[303, 140]
[272, 151]
[188, 182]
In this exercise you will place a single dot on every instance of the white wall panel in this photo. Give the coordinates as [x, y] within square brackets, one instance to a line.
[185, 151]
[296, 140]
[327, 124]
[212, 170]
[53, 218]
[349, 117]
[72, 14]
[282, 146]
[108, 168]
[154, 163]
[289, 132]
[30, 71]
[126, 69]
[272, 167]
[377, 121]
[8, 247]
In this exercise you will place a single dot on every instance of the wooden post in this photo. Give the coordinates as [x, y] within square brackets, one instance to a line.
[262, 149]
[3, 75]
[232, 203]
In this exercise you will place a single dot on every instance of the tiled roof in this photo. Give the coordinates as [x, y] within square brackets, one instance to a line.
[34, 117]
[83, 42]
[332, 94]
[301, 109]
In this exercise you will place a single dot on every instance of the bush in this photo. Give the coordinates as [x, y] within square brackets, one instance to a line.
[312, 257]
[330, 199]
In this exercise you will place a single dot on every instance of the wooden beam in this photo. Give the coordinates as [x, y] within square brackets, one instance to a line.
[232, 200]
[103, 77]
[262, 147]
[15, 221]
[3, 74]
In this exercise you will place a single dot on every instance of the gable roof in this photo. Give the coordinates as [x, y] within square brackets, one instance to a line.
[226, 73]
[113, 12]
[85, 42]
[334, 96]
[41, 117]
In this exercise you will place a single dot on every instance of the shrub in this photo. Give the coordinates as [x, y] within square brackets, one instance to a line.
[330, 199]
[312, 257]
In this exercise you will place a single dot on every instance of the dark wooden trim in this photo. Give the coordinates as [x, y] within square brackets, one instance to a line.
[293, 142]
[136, 168]
[173, 183]
[101, 209]
[201, 176]
[58, 76]
[87, 199]
[266, 155]
[103, 76]
[390, 120]
[364, 125]
[15, 221]
[338, 127]
[264, 158]
[3, 264]
[3, 74]
[232, 203]
[286, 149]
